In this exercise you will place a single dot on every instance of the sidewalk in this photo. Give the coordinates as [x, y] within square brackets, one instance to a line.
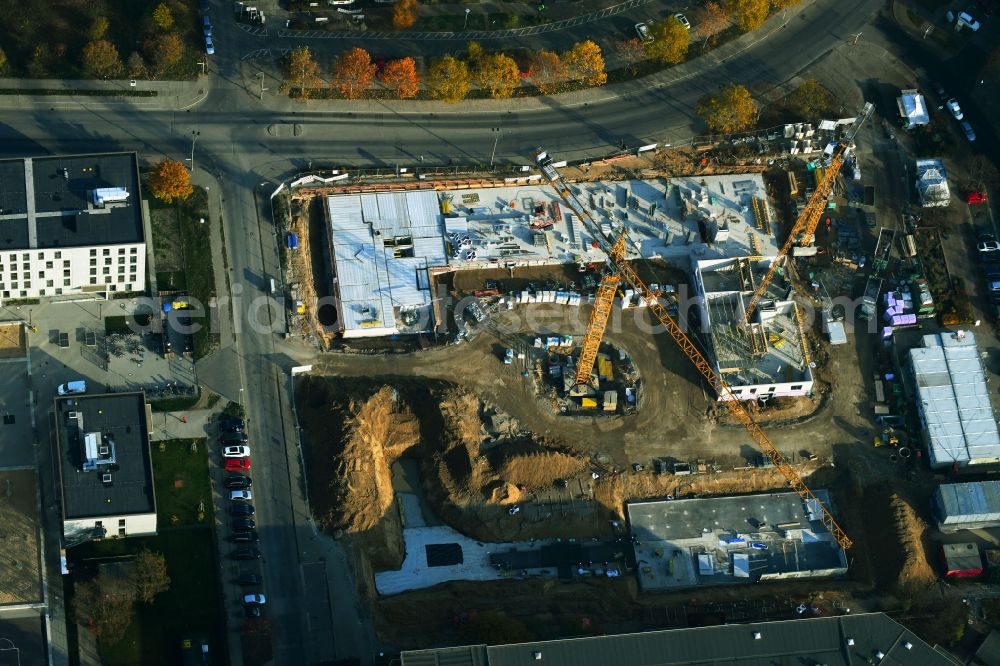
[170, 95]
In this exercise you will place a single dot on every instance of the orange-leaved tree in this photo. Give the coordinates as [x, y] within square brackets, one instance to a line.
[404, 14]
[748, 14]
[728, 111]
[166, 51]
[547, 72]
[670, 41]
[400, 76]
[170, 180]
[448, 79]
[585, 62]
[712, 20]
[631, 52]
[301, 72]
[101, 59]
[499, 74]
[353, 73]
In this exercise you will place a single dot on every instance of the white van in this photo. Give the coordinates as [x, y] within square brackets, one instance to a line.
[71, 388]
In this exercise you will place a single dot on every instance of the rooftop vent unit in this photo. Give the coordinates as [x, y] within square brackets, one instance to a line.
[106, 479]
[73, 415]
[103, 450]
[109, 195]
[757, 636]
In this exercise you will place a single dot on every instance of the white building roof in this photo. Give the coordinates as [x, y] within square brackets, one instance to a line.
[368, 231]
[954, 400]
[913, 108]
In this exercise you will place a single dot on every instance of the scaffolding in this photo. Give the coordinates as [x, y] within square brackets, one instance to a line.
[761, 214]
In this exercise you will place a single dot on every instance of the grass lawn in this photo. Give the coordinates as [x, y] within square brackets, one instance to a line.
[180, 478]
[46, 39]
[193, 604]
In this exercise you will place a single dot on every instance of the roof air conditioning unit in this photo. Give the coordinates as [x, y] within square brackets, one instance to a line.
[73, 415]
[103, 450]
[106, 479]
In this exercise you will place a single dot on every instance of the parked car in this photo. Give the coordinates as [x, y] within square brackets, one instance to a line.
[238, 482]
[245, 554]
[244, 524]
[249, 579]
[233, 438]
[257, 598]
[209, 46]
[954, 108]
[207, 30]
[205, 8]
[236, 464]
[683, 20]
[249, 536]
[642, 29]
[236, 452]
[244, 495]
[964, 18]
[975, 197]
[970, 134]
[988, 246]
[252, 610]
[757, 545]
[242, 510]
[71, 388]
[232, 424]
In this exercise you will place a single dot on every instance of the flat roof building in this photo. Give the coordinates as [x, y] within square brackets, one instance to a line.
[72, 225]
[912, 109]
[730, 540]
[932, 183]
[967, 506]
[844, 640]
[956, 417]
[106, 473]
[21, 564]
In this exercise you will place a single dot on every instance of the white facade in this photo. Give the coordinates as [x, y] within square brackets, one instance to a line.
[72, 270]
[139, 524]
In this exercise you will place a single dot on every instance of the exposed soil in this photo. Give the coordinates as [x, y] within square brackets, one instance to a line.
[13, 341]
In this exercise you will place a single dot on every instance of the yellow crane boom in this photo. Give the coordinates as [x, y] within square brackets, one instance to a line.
[805, 226]
[604, 300]
[690, 349]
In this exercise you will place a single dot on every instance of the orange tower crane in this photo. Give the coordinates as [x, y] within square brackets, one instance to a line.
[625, 272]
[805, 226]
[604, 300]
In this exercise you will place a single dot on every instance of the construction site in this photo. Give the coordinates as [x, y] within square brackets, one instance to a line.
[534, 388]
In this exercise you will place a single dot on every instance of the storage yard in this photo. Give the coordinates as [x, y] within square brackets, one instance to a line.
[544, 492]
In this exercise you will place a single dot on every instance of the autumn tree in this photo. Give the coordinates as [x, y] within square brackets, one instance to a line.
[669, 41]
[631, 52]
[547, 72]
[714, 20]
[98, 29]
[163, 17]
[101, 59]
[136, 66]
[784, 4]
[169, 180]
[166, 51]
[748, 14]
[301, 72]
[400, 76]
[810, 100]
[404, 14]
[3, 62]
[448, 79]
[585, 62]
[729, 111]
[109, 606]
[150, 574]
[499, 74]
[473, 52]
[353, 73]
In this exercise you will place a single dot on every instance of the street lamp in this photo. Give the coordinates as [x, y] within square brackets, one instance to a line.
[202, 67]
[194, 139]
[856, 38]
[467, 10]
[496, 139]
[262, 88]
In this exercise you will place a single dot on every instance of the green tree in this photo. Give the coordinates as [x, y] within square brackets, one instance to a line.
[98, 29]
[448, 79]
[810, 100]
[585, 62]
[149, 575]
[547, 72]
[499, 74]
[169, 180]
[731, 110]
[101, 59]
[748, 14]
[301, 72]
[163, 17]
[670, 41]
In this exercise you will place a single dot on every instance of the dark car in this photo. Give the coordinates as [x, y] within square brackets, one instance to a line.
[233, 438]
[244, 524]
[237, 482]
[249, 536]
[249, 579]
[241, 509]
[245, 554]
[252, 610]
[232, 424]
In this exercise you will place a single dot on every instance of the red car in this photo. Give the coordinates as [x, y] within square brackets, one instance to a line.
[236, 464]
[975, 198]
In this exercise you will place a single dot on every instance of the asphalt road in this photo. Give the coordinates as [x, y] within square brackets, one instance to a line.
[244, 144]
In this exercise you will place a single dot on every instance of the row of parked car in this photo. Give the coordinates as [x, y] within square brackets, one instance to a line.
[236, 463]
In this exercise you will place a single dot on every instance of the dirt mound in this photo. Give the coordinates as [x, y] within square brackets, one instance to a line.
[540, 469]
[916, 571]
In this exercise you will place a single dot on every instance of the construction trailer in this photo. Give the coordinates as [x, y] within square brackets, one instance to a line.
[932, 183]
[961, 560]
[967, 506]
